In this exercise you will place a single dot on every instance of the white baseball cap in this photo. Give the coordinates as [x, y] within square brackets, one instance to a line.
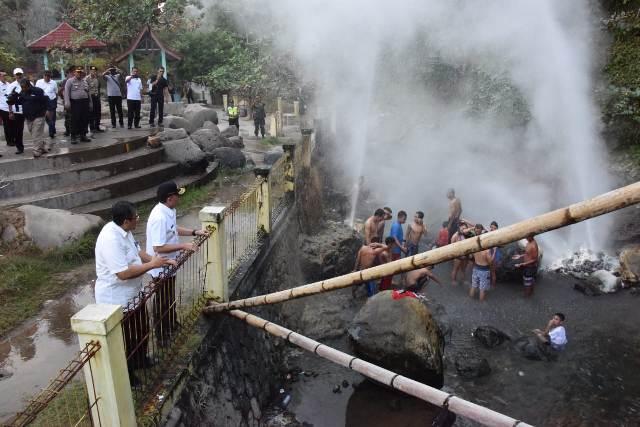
[18, 71]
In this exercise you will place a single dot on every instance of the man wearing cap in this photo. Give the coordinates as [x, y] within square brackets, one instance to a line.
[113, 77]
[94, 92]
[50, 89]
[162, 239]
[120, 265]
[15, 116]
[76, 100]
[4, 107]
[34, 102]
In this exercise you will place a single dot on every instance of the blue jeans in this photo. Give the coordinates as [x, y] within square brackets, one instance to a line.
[371, 288]
[412, 249]
[51, 121]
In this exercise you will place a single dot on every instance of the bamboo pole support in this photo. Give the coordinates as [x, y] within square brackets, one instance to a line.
[264, 200]
[600, 205]
[406, 385]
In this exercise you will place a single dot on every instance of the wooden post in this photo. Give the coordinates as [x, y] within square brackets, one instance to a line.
[225, 100]
[279, 124]
[264, 200]
[289, 167]
[217, 281]
[108, 371]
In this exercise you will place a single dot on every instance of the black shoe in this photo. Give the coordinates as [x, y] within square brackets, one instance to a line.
[122, 126]
[138, 127]
[113, 126]
[74, 141]
[152, 125]
[84, 139]
[128, 127]
[52, 136]
[20, 152]
[10, 144]
[67, 134]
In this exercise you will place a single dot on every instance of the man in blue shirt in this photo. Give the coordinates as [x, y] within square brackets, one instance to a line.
[398, 235]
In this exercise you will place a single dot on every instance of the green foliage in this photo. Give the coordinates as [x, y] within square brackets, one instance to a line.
[8, 58]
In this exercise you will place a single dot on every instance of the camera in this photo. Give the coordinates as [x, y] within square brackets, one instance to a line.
[12, 98]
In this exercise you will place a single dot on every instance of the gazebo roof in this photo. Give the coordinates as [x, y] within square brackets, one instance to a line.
[147, 31]
[64, 36]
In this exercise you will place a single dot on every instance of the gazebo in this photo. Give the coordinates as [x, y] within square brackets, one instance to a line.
[64, 37]
[148, 42]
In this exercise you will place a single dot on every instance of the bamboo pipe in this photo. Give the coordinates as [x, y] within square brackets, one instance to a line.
[406, 385]
[602, 204]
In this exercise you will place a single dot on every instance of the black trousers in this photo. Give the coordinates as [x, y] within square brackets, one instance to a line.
[96, 112]
[157, 101]
[135, 329]
[13, 129]
[115, 103]
[234, 122]
[79, 113]
[133, 113]
[164, 309]
[259, 123]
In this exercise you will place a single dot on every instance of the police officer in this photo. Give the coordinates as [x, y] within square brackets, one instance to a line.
[259, 115]
[77, 101]
[94, 91]
[234, 116]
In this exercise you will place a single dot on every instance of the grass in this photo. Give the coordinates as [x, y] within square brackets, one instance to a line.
[271, 140]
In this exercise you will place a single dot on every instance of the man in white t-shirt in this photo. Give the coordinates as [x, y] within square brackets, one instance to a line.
[554, 334]
[134, 98]
[162, 239]
[120, 265]
[15, 117]
[50, 88]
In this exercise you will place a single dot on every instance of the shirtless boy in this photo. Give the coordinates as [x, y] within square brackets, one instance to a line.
[367, 258]
[530, 265]
[414, 233]
[455, 211]
[481, 276]
[371, 226]
[460, 263]
[416, 280]
[388, 214]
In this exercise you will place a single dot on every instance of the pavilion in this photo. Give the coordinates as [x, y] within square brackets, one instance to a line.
[66, 38]
[148, 42]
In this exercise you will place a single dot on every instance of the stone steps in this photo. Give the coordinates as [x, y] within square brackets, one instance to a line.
[83, 193]
[27, 183]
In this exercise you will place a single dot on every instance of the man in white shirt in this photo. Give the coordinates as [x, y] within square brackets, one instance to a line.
[50, 88]
[554, 334]
[15, 118]
[4, 107]
[134, 98]
[162, 239]
[120, 265]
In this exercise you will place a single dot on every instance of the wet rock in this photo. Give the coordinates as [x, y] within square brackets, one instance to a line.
[345, 383]
[206, 139]
[228, 157]
[174, 108]
[630, 264]
[255, 407]
[605, 281]
[534, 349]
[472, 367]
[489, 336]
[337, 389]
[507, 270]
[169, 134]
[197, 114]
[583, 263]
[49, 228]
[399, 335]
[177, 122]
[236, 142]
[212, 126]
[230, 131]
[587, 288]
[272, 156]
[190, 158]
[329, 253]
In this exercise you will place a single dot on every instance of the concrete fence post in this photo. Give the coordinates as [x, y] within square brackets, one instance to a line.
[108, 371]
[225, 100]
[306, 147]
[296, 108]
[289, 167]
[217, 281]
[264, 200]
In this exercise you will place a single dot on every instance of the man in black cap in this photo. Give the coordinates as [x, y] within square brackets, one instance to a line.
[76, 100]
[93, 81]
[162, 240]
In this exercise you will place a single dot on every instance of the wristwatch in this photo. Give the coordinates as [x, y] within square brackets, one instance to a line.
[193, 233]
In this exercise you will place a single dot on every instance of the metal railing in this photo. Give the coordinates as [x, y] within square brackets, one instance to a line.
[242, 233]
[66, 400]
[158, 321]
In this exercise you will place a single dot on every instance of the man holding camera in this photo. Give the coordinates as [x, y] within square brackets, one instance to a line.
[94, 92]
[113, 77]
[134, 98]
[156, 92]
[76, 100]
[15, 118]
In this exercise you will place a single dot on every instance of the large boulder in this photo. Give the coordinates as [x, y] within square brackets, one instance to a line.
[210, 125]
[489, 336]
[187, 154]
[174, 108]
[330, 252]
[630, 264]
[270, 157]
[45, 228]
[236, 142]
[197, 114]
[206, 139]
[230, 131]
[228, 157]
[177, 122]
[470, 367]
[399, 335]
[169, 134]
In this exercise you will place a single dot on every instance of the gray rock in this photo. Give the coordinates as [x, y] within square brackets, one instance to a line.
[176, 122]
[230, 131]
[174, 108]
[533, 349]
[329, 253]
[489, 336]
[236, 142]
[472, 367]
[399, 335]
[169, 134]
[605, 281]
[206, 139]
[187, 154]
[255, 407]
[630, 264]
[51, 228]
[9, 233]
[229, 157]
[210, 125]
[197, 114]
[270, 157]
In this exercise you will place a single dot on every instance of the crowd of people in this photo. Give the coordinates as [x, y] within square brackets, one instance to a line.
[400, 242]
[34, 103]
